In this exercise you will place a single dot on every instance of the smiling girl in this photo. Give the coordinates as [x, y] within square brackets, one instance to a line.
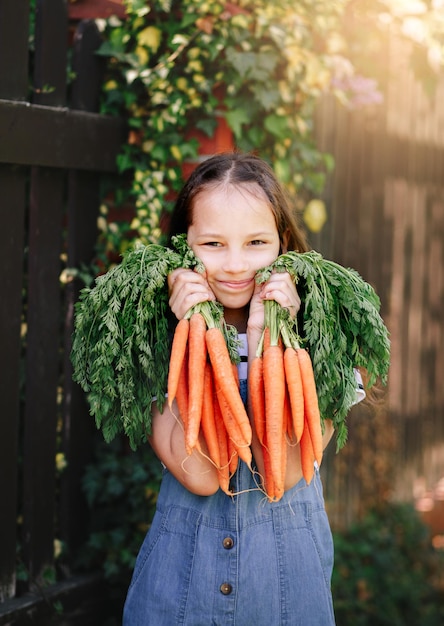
[209, 558]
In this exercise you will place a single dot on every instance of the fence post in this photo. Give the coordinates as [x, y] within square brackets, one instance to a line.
[14, 32]
[43, 319]
[83, 210]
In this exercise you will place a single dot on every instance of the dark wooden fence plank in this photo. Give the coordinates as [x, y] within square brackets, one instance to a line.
[83, 599]
[14, 35]
[50, 59]
[44, 326]
[42, 368]
[83, 208]
[58, 137]
[12, 187]
[88, 67]
[78, 425]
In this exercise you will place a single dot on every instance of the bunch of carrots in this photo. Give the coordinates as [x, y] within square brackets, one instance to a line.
[204, 382]
[284, 401]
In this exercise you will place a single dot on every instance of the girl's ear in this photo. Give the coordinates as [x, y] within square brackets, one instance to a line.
[284, 242]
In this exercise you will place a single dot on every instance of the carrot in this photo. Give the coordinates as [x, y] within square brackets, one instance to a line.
[196, 372]
[274, 386]
[233, 452]
[178, 348]
[257, 398]
[269, 338]
[288, 418]
[233, 428]
[295, 392]
[233, 457]
[223, 470]
[225, 380]
[266, 343]
[307, 455]
[311, 407]
[284, 460]
[208, 423]
[268, 477]
[182, 391]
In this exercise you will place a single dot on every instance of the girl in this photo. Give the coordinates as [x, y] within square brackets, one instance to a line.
[210, 559]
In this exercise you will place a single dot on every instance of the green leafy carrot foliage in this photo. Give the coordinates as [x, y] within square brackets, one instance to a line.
[342, 329]
[121, 344]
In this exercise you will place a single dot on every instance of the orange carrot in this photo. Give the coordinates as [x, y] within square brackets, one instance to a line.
[311, 407]
[294, 385]
[233, 428]
[178, 348]
[233, 452]
[196, 372]
[208, 423]
[268, 477]
[274, 386]
[257, 398]
[225, 380]
[284, 459]
[182, 391]
[307, 455]
[288, 418]
[233, 457]
[223, 469]
[266, 343]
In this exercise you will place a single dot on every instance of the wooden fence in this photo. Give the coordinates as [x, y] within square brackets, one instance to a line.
[386, 218]
[54, 150]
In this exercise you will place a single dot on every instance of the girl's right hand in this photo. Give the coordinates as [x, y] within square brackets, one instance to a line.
[186, 289]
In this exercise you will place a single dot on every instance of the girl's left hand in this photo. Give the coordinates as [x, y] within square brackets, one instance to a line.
[280, 287]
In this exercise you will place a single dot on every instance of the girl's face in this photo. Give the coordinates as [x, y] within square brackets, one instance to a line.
[234, 233]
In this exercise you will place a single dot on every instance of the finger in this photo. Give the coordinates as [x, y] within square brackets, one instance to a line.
[181, 306]
[282, 289]
[181, 276]
[186, 290]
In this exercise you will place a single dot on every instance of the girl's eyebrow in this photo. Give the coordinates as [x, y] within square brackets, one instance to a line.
[258, 235]
[209, 235]
[267, 233]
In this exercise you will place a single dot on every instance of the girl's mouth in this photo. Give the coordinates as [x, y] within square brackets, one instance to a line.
[236, 285]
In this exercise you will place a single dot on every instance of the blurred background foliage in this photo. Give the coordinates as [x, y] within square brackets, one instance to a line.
[175, 69]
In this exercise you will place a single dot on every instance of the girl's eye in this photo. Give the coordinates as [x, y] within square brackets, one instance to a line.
[212, 243]
[256, 242]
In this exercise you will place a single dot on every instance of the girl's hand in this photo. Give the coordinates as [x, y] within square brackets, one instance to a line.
[280, 287]
[187, 288]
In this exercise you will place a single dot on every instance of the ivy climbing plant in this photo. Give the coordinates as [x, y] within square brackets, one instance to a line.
[178, 66]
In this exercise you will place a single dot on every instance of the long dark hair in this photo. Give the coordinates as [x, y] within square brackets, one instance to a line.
[237, 168]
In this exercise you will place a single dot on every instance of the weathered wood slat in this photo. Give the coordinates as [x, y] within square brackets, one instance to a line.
[82, 597]
[14, 35]
[88, 67]
[42, 367]
[83, 208]
[47, 193]
[12, 188]
[58, 137]
[50, 59]
[78, 426]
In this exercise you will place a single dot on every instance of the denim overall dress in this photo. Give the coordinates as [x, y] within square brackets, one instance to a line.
[234, 561]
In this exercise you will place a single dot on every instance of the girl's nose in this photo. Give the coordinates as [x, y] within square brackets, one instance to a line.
[235, 261]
